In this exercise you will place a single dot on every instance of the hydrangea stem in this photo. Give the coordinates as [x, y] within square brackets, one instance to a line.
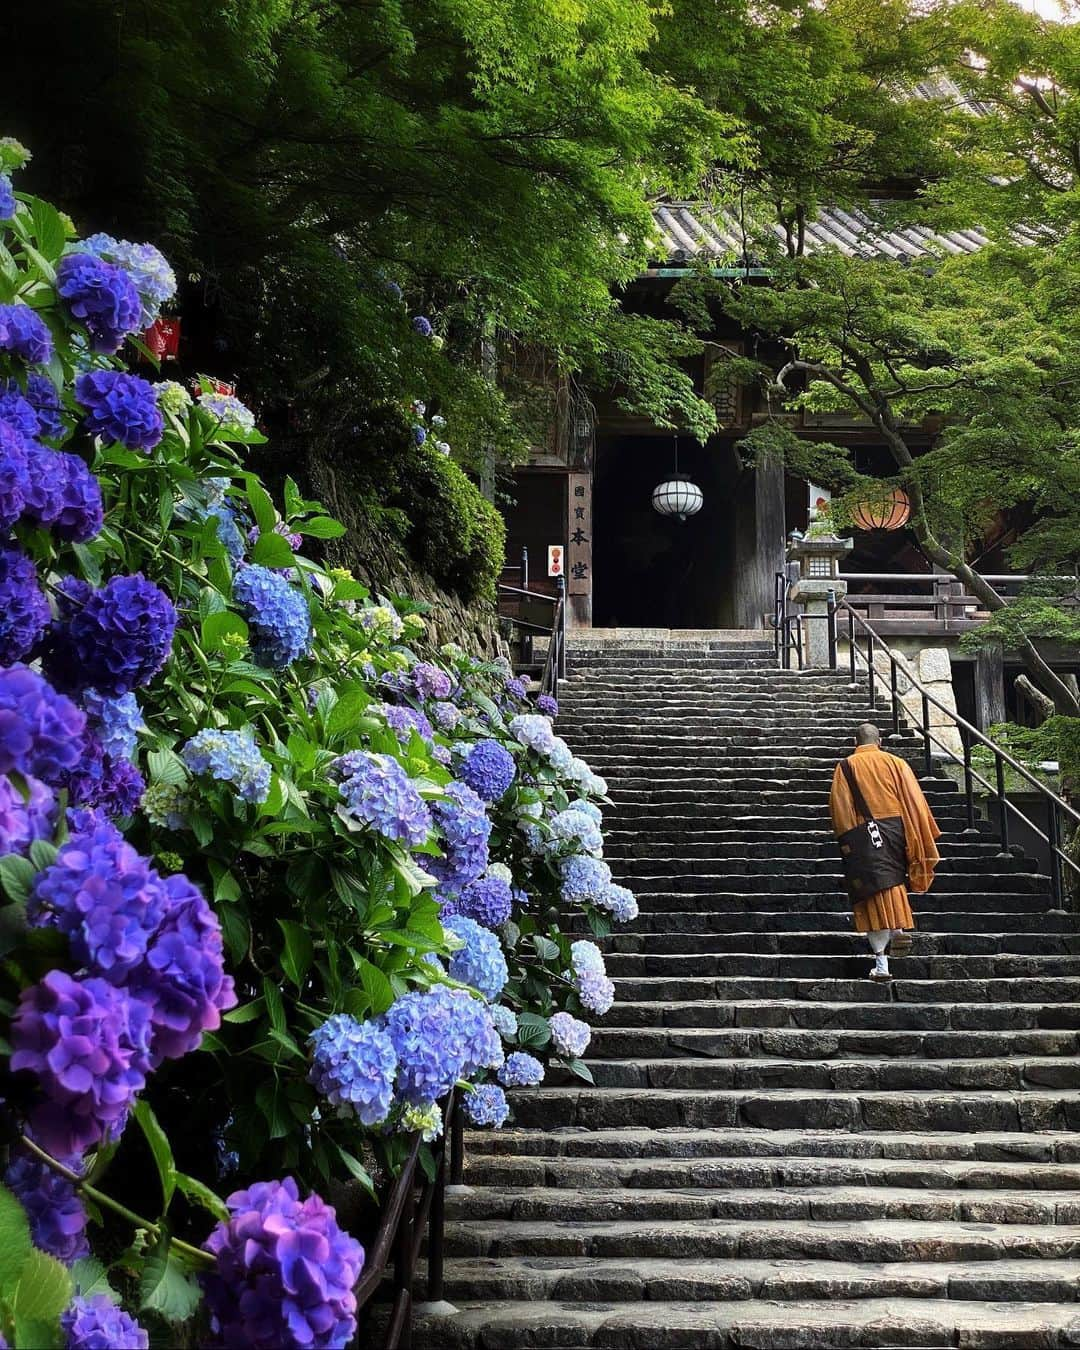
[83, 1187]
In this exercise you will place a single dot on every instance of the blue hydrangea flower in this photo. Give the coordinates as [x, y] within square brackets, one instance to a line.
[505, 1019]
[116, 721]
[487, 1105]
[533, 731]
[41, 731]
[488, 769]
[569, 1036]
[521, 1070]
[480, 961]
[377, 792]
[465, 829]
[8, 204]
[475, 1028]
[96, 1323]
[422, 325]
[547, 705]
[403, 721]
[517, 687]
[578, 828]
[62, 494]
[17, 410]
[424, 1031]
[595, 990]
[100, 296]
[488, 900]
[146, 265]
[431, 682]
[447, 716]
[43, 397]
[116, 638]
[13, 474]
[23, 333]
[24, 611]
[229, 412]
[619, 903]
[583, 878]
[120, 408]
[353, 1066]
[589, 808]
[277, 614]
[55, 1213]
[230, 757]
[23, 821]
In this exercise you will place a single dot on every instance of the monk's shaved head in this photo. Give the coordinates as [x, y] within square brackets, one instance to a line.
[867, 734]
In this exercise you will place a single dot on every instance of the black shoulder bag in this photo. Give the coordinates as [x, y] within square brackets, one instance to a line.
[874, 854]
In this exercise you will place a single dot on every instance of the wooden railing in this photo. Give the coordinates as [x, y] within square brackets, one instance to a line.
[947, 607]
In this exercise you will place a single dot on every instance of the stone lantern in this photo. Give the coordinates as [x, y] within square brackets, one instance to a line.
[818, 558]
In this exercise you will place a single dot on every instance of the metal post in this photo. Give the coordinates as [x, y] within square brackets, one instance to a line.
[831, 612]
[928, 751]
[403, 1276]
[436, 1233]
[1003, 806]
[969, 782]
[851, 642]
[870, 667]
[1053, 830]
[560, 587]
[524, 568]
[457, 1147]
[895, 697]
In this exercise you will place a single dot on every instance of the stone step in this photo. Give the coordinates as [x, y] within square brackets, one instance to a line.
[634, 965]
[741, 897]
[859, 1203]
[704, 789]
[753, 1325]
[793, 1108]
[699, 924]
[951, 816]
[943, 1177]
[859, 1073]
[585, 1280]
[865, 1009]
[814, 842]
[635, 1143]
[982, 864]
[818, 943]
[869, 1240]
[644, 989]
[800, 1043]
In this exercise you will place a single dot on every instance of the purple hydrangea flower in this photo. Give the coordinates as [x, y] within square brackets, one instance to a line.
[569, 1036]
[403, 721]
[431, 682]
[547, 705]
[116, 721]
[378, 793]
[488, 900]
[146, 265]
[480, 962]
[24, 611]
[43, 397]
[422, 325]
[101, 296]
[465, 830]
[521, 1070]
[120, 408]
[96, 1323]
[182, 978]
[437, 1036]
[61, 493]
[230, 757]
[488, 769]
[41, 731]
[419, 435]
[284, 1272]
[53, 1208]
[517, 687]
[121, 789]
[13, 474]
[353, 1066]
[87, 1043]
[21, 822]
[23, 333]
[17, 411]
[447, 715]
[583, 878]
[116, 638]
[277, 613]
[487, 1105]
[8, 204]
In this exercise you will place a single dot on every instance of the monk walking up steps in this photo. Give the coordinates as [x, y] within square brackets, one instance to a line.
[886, 834]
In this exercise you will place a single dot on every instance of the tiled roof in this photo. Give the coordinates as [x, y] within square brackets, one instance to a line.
[688, 230]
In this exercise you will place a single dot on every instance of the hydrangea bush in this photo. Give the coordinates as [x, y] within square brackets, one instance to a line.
[276, 875]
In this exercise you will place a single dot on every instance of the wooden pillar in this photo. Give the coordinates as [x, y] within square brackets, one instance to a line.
[579, 536]
[989, 686]
[759, 542]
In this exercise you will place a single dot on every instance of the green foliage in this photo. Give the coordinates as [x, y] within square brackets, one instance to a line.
[34, 1288]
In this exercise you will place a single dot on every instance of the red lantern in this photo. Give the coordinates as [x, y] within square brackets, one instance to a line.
[891, 511]
[162, 338]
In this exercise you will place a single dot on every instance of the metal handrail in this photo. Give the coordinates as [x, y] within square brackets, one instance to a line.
[555, 661]
[1057, 807]
[554, 668]
[787, 627]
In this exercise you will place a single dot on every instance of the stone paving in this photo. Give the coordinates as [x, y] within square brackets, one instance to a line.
[777, 1152]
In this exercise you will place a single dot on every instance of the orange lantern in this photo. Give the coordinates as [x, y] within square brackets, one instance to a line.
[891, 511]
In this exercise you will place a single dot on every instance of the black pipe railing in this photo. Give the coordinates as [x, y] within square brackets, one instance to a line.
[527, 630]
[787, 627]
[1058, 810]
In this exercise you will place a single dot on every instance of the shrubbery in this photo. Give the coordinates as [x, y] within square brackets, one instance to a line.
[275, 877]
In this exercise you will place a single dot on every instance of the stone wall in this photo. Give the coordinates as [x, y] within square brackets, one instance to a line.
[930, 664]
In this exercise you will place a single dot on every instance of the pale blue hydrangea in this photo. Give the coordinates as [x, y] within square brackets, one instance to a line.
[586, 955]
[353, 1066]
[230, 757]
[146, 265]
[587, 781]
[595, 990]
[569, 1036]
[560, 755]
[579, 828]
[583, 878]
[116, 720]
[505, 1020]
[619, 903]
[377, 792]
[229, 412]
[590, 809]
[447, 715]
[480, 961]
[521, 1070]
[533, 731]
[487, 1105]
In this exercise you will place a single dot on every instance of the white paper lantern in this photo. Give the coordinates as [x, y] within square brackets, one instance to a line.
[677, 496]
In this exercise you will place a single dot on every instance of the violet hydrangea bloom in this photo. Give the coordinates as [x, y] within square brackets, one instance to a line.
[447, 715]
[465, 830]
[488, 900]
[116, 638]
[277, 614]
[403, 721]
[488, 769]
[487, 1105]
[101, 296]
[40, 730]
[87, 1044]
[547, 705]
[436, 1035]
[24, 611]
[377, 792]
[521, 1070]
[284, 1273]
[96, 1323]
[13, 474]
[569, 1035]
[533, 731]
[230, 757]
[353, 1065]
[53, 1208]
[431, 682]
[480, 962]
[145, 264]
[17, 411]
[422, 325]
[116, 721]
[62, 494]
[8, 203]
[21, 822]
[120, 408]
[23, 333]
[42, 396]
[229, 412]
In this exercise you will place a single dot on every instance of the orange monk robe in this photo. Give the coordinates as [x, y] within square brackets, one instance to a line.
[890, 789]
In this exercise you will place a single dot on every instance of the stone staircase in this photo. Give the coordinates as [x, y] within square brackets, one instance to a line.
[779, 1153]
